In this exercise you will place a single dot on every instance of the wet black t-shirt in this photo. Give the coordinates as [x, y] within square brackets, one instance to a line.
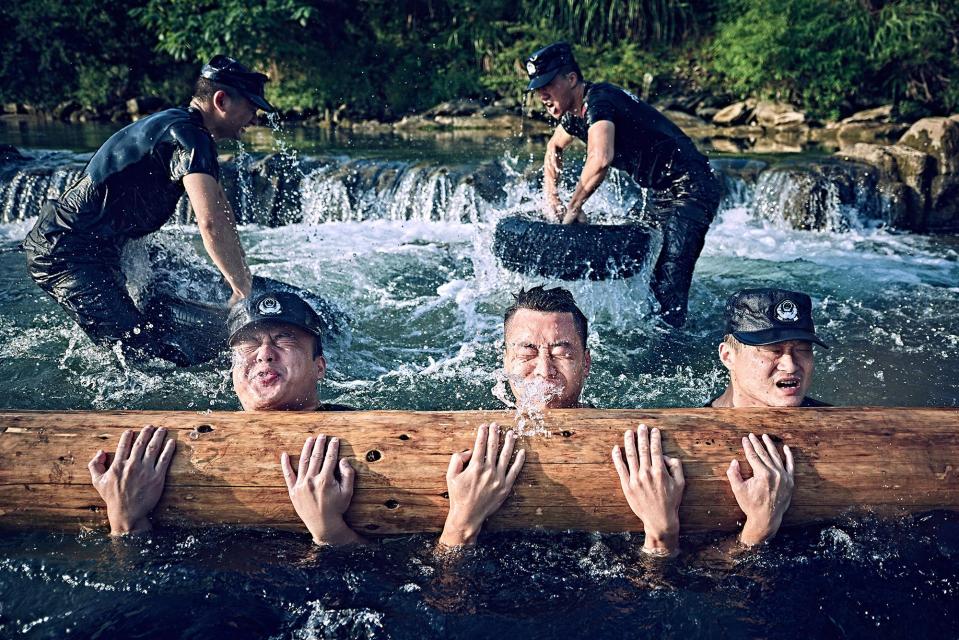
[648, 146]
[132, 183]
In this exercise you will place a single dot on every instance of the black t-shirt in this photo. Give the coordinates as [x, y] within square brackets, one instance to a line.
[648, 146]
[806, 402]
[132, 183]
[335, 407]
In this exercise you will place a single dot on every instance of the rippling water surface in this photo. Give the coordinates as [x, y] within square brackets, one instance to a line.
[423, 297]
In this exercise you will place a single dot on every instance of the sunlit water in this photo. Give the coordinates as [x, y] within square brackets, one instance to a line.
[423, 299]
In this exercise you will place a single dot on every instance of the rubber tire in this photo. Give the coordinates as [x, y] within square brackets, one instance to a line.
[573, 251]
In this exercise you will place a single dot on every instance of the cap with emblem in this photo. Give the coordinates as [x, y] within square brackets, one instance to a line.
[544, 64]
[225, 70]
[765, 316]
[273, 306]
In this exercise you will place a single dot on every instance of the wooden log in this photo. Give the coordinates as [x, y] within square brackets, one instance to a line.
[226, 470]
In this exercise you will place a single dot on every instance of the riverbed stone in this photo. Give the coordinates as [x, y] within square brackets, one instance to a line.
[944, 212]
[878, 114]
[816, 195]
[850, 133]
[778, 114]
[143, 105]
[938, 137]
[462, 107]
[684, 120]
[736, 113]
[898, 164]
[63, 110]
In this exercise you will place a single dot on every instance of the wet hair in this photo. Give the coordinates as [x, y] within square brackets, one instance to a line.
[571, 68]
[205, 88]
[731, 340]
[556, 300]
[317, 347]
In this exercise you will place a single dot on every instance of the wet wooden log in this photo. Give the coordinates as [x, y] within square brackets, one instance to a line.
[226, 468]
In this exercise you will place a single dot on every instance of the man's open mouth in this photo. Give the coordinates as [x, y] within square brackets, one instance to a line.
[788, 383]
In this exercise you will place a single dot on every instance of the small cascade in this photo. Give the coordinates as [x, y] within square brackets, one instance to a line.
[388, 190]
[24, 193]
[273, 190]
[824, 195]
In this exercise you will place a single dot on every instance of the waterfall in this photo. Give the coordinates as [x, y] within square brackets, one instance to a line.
[276, 189]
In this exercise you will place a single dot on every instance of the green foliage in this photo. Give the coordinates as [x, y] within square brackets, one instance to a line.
[646, 22]
[87, 50]
[387, 58]
[915, 52]
[812, 52]
[833, 55]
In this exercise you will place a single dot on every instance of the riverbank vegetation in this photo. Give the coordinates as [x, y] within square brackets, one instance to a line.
[388, 58]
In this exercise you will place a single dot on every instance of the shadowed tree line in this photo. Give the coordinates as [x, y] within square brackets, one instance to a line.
[387, 58]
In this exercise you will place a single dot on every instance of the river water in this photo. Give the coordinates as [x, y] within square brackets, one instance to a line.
[410, 267]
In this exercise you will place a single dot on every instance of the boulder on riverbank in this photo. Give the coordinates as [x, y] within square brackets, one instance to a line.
[923, 168]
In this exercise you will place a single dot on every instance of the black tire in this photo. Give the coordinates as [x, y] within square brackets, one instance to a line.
[571, 252]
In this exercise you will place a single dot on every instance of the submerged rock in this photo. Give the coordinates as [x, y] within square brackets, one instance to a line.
[822, 196]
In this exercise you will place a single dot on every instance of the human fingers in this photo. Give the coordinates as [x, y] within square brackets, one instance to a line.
[773, 452]
[790, 467]
[305, 457]
[621, 468]
[760, 449]
[140, 444]
[515, 468]
[751, 456]
[642, 437]
[457, 462]
[329, 461]
[492, 444]
[123, 446]
[655, 450]
[97, 465]
[166, 456]
[348, 475]
[288, 474]
[479, 447]
[675, 467]
[154, 446]
[632, 458]
[735, 477]
[316, 456]
[509, 442]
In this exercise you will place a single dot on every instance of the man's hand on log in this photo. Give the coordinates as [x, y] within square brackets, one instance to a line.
[479, 481]
[765, 497]
[653, 484]
[318, 497]
[133, 483]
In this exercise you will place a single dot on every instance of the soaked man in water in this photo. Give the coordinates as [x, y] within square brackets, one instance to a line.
[545, 356]
[129, 189]
[278, 362]
[546, 363]
[622, 131]
[768, 350]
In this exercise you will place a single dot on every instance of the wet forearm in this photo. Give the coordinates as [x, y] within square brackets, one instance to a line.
[222, 242]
